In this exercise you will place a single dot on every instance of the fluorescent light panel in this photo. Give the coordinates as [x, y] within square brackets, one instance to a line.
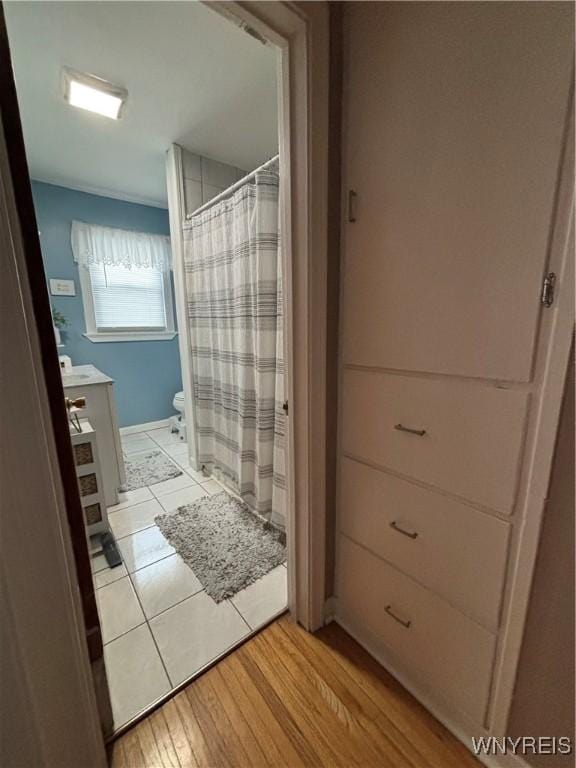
[93, 94]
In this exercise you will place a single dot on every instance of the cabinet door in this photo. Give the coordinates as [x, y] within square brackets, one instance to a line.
[101, 413]
[454, 121]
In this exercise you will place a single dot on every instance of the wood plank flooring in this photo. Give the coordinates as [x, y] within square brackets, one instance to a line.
[288, 698]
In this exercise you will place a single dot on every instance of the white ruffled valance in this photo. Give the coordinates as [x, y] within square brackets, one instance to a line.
[93, 244]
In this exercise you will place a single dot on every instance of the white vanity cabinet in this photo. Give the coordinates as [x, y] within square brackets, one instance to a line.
[89, 474]
[98, 389]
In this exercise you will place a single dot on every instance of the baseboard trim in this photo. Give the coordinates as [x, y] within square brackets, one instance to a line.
[144, 427]
[462, 733]
[329, 610]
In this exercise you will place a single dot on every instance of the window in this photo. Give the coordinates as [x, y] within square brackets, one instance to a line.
[125, 281]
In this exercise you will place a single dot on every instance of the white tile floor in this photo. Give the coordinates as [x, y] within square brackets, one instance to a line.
[159, 627]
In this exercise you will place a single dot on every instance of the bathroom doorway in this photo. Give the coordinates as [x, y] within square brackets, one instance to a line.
[169, 596]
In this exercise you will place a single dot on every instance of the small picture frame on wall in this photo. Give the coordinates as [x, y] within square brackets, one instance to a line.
[60, 287]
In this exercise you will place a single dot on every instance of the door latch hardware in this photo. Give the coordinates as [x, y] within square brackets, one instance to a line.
[352, 206]
[285, 406]
[548, 286]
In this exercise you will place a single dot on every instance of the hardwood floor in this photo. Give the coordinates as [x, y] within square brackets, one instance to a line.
[288, 698]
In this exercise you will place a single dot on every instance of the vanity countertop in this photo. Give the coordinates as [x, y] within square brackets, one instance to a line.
[84, 375]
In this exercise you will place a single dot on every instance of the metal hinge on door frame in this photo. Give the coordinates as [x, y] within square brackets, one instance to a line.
[548, 286]
[352, 206]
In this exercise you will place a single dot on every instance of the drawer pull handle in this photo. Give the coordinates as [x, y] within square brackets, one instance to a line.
[396, 527]
[402, 428]
[390, 612]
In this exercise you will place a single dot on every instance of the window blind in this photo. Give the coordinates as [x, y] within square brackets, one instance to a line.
[128, 298]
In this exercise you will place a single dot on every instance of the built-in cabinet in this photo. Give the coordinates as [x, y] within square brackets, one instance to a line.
[454, 121]
[454, 127]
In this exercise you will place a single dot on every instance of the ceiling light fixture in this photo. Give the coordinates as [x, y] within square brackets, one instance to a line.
[94, 94]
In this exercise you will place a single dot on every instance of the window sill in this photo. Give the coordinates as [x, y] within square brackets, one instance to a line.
[99, 338]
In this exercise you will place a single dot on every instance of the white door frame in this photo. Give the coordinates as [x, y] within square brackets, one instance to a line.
[48, 704]
[301, 33]
[551, 363]
[60, 700]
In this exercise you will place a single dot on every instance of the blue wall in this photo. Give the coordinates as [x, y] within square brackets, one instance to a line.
[146, 373]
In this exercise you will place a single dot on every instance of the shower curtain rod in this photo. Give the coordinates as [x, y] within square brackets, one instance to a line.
[233, 188]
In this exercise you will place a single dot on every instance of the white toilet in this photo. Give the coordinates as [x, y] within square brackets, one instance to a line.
[178, 423]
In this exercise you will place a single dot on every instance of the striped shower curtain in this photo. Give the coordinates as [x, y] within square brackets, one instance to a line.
[234, 302]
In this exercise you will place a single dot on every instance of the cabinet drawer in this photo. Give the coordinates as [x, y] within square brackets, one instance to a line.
[431, 642]
[473, 433]
[455, 550]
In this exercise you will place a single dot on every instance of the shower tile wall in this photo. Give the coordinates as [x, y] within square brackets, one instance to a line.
[205, 178]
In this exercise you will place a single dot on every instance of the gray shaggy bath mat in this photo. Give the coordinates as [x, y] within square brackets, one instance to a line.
[148, 469]
[224, 543]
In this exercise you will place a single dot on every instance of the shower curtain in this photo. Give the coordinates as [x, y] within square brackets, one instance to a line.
[233, 282]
